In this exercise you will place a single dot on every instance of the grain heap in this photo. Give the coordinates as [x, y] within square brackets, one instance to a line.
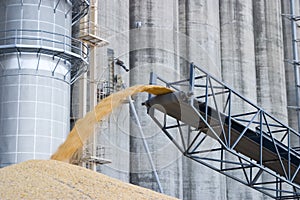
[84, 127]
[50, 179]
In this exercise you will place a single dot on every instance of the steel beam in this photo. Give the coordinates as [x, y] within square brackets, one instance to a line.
[231, 132]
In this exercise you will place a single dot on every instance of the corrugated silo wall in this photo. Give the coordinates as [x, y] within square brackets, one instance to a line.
[153, 47]
[34, 97]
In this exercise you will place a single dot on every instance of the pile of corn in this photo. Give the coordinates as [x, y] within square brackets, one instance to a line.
[50, 179]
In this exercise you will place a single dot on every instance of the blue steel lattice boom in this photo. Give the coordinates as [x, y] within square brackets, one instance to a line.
[257, 142]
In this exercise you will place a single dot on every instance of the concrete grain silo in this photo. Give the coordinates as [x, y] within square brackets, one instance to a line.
[153, 48]
[200, 43]
[249, 45]
[238, 67]
[269, 59]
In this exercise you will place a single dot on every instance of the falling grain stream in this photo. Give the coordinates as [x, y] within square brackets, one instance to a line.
[84, 127]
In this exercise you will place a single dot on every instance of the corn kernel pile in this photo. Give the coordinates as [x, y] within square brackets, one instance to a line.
[50, 179]
[53, 179]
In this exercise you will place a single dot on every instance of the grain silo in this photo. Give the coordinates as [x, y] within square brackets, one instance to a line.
[39, 59]
[250, 45]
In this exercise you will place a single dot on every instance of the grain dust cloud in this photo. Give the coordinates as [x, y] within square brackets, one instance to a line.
[84, 127]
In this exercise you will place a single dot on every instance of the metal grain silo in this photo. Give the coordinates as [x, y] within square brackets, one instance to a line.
[38, 60]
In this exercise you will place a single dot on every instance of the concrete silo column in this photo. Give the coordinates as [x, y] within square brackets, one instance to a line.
[153, 47]
[238, 67]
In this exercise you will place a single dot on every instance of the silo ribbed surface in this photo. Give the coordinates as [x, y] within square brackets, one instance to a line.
[35, 47]
[269, 60]
[153, 47]
[238, 70]
[200, 43]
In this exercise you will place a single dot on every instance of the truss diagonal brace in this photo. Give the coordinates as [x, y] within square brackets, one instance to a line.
[244, 131]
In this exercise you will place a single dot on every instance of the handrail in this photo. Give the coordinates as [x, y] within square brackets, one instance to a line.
[66, 42]
[90, 27]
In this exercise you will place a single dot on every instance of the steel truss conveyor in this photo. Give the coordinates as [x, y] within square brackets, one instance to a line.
[228, 133]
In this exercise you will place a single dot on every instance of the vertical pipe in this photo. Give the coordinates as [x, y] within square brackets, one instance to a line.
[192, 81]
[295, 58]
[92, 75]
[290, 78]
[152, 81]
